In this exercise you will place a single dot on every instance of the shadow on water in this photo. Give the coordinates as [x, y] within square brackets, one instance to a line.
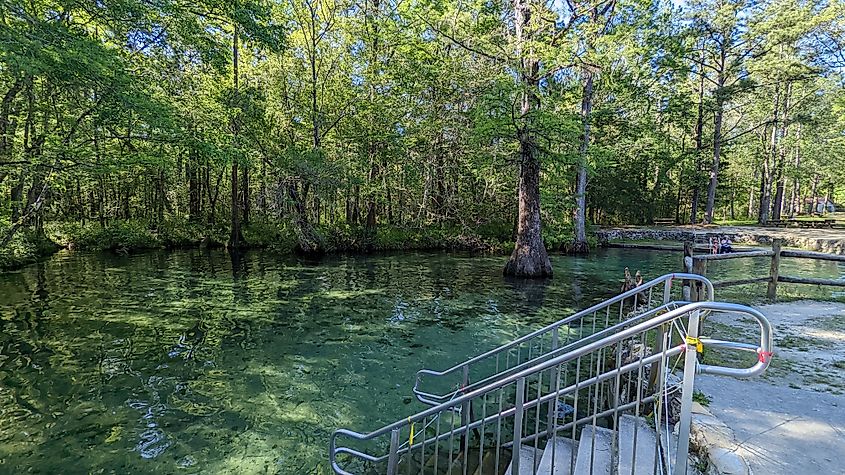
[213, 362]
[531, 292]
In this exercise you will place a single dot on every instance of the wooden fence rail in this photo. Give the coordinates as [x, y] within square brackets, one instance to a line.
[812, 281]
[697, 264]
[734, 255]
[821, 256]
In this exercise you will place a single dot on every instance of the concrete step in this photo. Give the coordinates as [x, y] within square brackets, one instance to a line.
[457, 466]
[670, 445]
[529, 459]
[488, 465]
[595, 455]
[562, 450]
[636, 458]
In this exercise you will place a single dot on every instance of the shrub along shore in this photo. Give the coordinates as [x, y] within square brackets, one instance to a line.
[136, 236]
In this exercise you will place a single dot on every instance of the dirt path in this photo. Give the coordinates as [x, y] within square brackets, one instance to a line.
[791, 420]
[809, 343]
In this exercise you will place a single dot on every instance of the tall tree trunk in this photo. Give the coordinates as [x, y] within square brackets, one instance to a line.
[580, 245]
[373, 148]
[769, 156]
[236, 236]
[16, 197]
[7, 136]
[193, 186]
[783, 130]
[794, 207]
[356, 206]
[714, 169]
[127, 214]
[262, 191]
[717, 154]
[370, 222]
[733, 198]
[765, 191]
[717, 135]
[162, 197]
[699, 147]
[529, 257]
[245, 198]
[828, 199]
[751, 199]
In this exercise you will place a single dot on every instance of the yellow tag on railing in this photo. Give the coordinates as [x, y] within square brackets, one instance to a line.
[411, 438]
[692, 341]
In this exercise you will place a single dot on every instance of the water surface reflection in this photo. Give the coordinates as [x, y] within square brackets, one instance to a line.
[201, 361]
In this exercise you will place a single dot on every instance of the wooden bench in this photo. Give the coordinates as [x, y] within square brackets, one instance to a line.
[664, 221]
[815, 223]
[778, 223]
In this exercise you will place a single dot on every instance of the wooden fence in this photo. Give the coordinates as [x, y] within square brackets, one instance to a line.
[697, 264]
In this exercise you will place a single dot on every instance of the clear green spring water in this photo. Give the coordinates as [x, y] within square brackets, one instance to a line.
[194, 362]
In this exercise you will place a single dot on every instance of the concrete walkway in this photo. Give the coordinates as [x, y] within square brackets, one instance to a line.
[780, 430]
[791, 420]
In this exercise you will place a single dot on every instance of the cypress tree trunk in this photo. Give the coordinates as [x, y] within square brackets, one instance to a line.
[580, 245]
[529, 257]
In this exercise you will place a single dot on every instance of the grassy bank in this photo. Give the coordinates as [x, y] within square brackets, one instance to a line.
[127, 236]
[132, 236]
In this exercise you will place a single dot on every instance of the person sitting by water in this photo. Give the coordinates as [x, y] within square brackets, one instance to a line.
[632, 283]
[639, 281]
[629, 282]
[725, 246]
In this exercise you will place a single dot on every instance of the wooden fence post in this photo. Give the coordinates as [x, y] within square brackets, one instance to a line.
[774, 270]
[687, 269]
[699, 266]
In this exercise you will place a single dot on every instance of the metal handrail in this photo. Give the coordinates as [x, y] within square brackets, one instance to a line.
[691, 367]
[666, 280]
[430, 398]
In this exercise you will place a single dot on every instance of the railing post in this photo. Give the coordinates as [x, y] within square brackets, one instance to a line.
[466, 407]
[661, 334]
[690, 361]
[550, 418]
[517, 424]
[774, 270]
[393, 456]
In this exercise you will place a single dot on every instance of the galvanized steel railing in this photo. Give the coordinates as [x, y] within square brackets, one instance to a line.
[582, 395]
[627, 308]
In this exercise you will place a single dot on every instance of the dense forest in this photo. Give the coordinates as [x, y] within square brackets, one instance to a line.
[321, 125]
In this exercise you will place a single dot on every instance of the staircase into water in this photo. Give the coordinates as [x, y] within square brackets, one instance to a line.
[634, 444]
[607, 390]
